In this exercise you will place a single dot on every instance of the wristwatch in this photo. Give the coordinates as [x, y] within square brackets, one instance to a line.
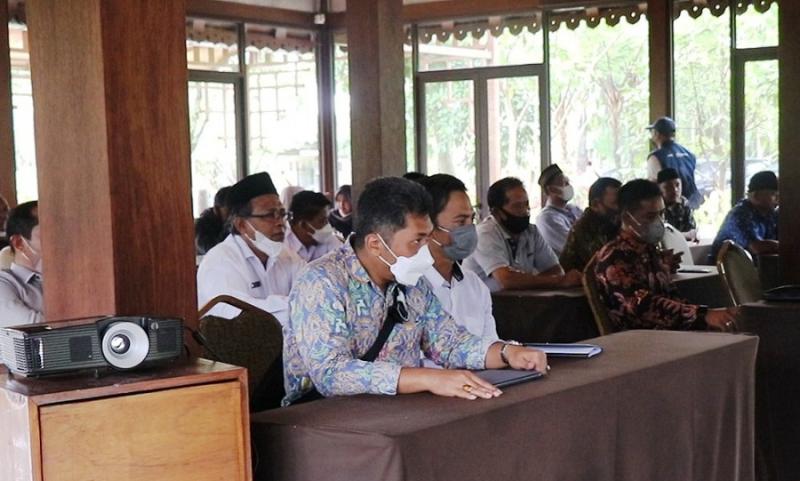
[503, 356]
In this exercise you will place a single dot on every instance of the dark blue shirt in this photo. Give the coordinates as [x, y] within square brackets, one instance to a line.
[673, 155]
[745, 224]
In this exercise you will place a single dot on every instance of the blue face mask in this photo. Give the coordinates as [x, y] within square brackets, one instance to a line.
[463, 239]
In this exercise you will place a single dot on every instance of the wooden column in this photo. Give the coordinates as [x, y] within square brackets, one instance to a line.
[659, 14]
[327, 132]
[377, 103]
[8, 185]
[109, 84]
[789, 141]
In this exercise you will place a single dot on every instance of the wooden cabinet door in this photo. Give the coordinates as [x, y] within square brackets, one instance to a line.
[190, 433]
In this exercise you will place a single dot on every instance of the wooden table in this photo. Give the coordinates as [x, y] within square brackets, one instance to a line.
[187, 421]
[655, 406]
[564, 315]
[778, 391]
[560, 315]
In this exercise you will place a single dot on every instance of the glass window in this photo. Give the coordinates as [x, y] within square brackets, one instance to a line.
[756, 29]
[599, 103]
[761, 117]
[450, 130]
[285, 142]
[212, 45]
[514, 131]
[482, 48]
[22, 104]
[212, 128]
[341, 100]
[703, 109]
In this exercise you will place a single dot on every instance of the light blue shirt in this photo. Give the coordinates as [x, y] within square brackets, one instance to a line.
[20, 296]
[554, 223]
[336, 312]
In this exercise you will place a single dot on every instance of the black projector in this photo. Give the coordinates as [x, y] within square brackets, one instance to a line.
[116, 342]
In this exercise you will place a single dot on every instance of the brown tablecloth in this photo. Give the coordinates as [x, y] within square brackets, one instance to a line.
[769, 271]
[703, 288]
[778, 389]
[543, 315]
[654, 406]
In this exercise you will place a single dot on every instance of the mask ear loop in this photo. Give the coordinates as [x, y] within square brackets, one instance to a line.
[388, 249]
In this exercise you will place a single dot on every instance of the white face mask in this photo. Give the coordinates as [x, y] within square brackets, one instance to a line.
[322, 235]
[264, 243]
[566, 193]
[408, 270]
[37, 264]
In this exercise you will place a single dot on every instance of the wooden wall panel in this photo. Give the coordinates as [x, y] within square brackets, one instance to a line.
[789, 141]
[109, 84]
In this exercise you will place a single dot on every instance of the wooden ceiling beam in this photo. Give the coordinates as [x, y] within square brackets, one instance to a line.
[239, 12]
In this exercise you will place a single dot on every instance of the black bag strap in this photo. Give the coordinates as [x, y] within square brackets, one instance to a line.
[397, 314]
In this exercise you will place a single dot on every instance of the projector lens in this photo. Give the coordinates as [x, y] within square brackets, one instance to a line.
[120, 344]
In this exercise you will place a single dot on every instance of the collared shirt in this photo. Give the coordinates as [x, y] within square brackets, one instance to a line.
[679, 214]
[232, 268]
[554, 223]
[745, 224]
[588, 235]
[635, 282]
[310, 253]
[494, 251]
[336, 314]
[467, 299]
[20, 296]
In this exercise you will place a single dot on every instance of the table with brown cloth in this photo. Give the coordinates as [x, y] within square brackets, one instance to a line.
[778, 385]
[704, 288]
[656, 405]
[560, 315]
[769, 272]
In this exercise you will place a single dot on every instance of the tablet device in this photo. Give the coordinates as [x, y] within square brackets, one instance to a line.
[507, 377]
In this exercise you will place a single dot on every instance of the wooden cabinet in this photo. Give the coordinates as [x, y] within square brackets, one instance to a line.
[185, 422]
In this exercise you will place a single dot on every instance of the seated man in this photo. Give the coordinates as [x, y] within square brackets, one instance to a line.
[511, 254]
[460, 292]
[558, 216]
[310, 235]
[753, 222]
[21, 284]
[677, 212]
[361, 316]
[341, 218]
[251, 264]
[598, 225]
[635, 278]
[209, 228]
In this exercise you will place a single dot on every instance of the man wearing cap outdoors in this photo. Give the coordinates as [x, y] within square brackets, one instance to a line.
[251, 264]
[677, 212]
[558, 215]
[671, 155]
[310, 234]
[753, 222]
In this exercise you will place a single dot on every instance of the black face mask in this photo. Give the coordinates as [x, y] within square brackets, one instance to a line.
[516, 224]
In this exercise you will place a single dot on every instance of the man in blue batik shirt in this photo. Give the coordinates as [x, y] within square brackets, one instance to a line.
[753, 222]
[341, 301]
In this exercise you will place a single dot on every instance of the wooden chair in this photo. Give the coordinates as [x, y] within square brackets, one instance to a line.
[599, 309]
[253, 340]
[739, 274]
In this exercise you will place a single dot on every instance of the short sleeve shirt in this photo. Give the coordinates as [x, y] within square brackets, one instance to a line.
[494, 251]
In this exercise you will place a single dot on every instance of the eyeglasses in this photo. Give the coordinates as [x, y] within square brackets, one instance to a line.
[277, 214]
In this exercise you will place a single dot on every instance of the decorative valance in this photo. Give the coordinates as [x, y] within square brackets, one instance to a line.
[264, 37]
[573, 18]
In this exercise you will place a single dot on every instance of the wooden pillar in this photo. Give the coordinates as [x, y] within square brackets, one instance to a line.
[8, 185]
[789, 141]
[377, 103]
[327, 132]
[109, 84]
[659, 14]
